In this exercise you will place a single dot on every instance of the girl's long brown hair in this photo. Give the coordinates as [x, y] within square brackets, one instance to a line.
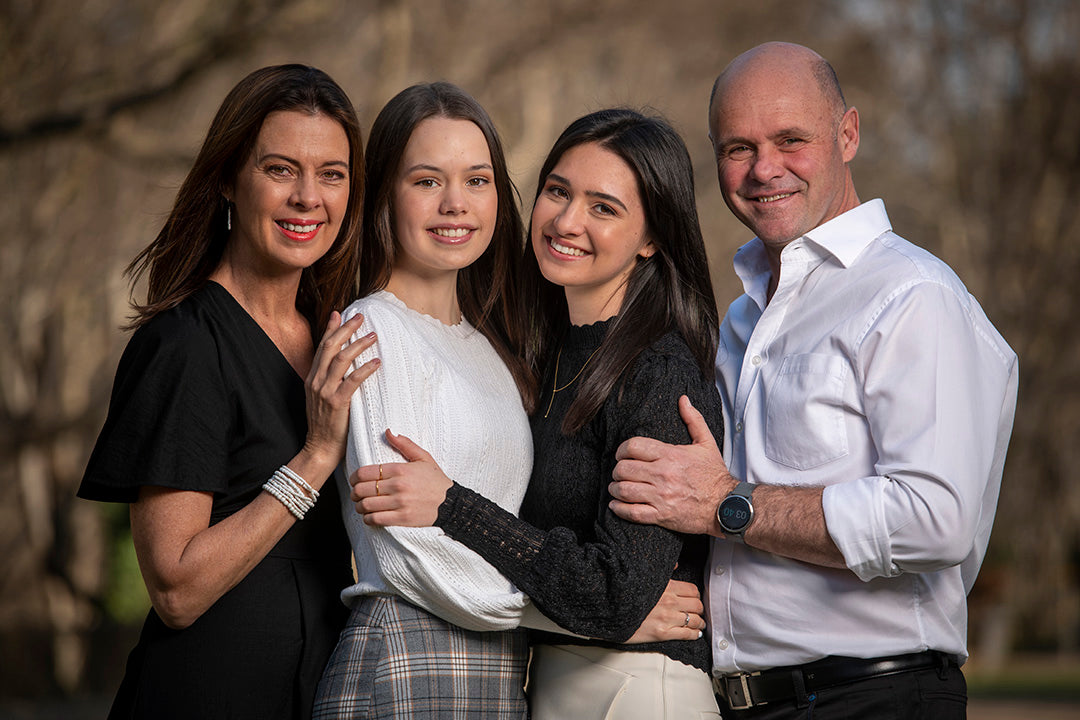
[669, 290]
[486, 290]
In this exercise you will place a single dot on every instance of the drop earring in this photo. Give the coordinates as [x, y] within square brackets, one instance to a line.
[228, 216]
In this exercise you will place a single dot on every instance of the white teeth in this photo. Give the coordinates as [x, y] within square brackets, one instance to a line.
[771, 198]
[451, 232]
[564, 249]
[299, 228]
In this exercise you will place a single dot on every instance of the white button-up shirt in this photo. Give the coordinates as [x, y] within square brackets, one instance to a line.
[872, 372]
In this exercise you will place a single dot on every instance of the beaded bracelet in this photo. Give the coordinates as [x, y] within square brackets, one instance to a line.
[292, 491]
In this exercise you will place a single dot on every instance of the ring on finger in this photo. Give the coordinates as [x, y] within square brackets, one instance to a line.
[379, 479]
[686, 621]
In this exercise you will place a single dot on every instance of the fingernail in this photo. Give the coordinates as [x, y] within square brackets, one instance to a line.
[370, 335]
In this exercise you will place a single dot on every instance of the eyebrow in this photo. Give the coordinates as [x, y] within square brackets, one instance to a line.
[436, 168]
[294, 161]
[784, 132]
[589, 193]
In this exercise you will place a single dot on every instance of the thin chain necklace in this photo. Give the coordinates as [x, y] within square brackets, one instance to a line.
[555, 383]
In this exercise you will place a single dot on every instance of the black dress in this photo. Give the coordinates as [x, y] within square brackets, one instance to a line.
[203, 400]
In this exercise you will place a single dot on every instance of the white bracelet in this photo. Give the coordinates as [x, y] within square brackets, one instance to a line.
[292, 491]
[285, 500]
[292, 475]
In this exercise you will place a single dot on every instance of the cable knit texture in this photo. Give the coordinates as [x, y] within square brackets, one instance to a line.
[446, 388]
[584, 567]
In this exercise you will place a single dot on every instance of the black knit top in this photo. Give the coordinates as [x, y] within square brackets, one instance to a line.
[584, 567]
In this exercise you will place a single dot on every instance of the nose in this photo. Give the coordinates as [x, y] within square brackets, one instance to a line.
[453, 201]
[767, 164]
[568, 222]
[305, 192]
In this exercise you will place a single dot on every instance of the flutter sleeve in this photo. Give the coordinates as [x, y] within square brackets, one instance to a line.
[168, 419]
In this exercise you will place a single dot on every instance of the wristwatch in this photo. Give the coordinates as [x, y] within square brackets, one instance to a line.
[736, 511]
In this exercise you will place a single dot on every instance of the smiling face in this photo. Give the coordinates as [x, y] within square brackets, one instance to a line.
[444, 200]
[588, 229]
[291, 194]
[782, 145]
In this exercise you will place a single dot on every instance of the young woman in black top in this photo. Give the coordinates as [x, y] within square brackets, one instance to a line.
[620, 323]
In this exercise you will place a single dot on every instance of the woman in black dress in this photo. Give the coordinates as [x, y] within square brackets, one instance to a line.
[213, 434]
[620, 323]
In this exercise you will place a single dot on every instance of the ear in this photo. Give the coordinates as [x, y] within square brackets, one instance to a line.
[848, 134]
[647, 250]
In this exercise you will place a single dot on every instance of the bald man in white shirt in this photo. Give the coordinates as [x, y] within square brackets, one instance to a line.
[868, 403]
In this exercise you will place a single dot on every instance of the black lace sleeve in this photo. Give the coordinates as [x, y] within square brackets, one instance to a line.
[600, 581]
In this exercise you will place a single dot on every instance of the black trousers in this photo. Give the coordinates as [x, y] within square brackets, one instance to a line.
[928, 694]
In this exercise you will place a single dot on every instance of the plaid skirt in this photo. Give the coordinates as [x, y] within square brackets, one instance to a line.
[395, 660]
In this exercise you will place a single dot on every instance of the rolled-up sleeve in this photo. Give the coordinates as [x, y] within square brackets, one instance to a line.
[938, 391]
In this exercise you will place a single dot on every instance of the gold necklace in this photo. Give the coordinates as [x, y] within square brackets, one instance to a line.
[555, 382]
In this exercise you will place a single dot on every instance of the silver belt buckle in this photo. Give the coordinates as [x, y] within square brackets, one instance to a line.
[735, 690]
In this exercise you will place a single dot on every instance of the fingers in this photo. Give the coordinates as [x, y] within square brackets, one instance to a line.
[634, 512]
[408, 449]
[700, 434]
[337, 334]
[683, 589]
[640, 448]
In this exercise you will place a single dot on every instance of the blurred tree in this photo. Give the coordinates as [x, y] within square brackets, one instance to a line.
[981, 125]
[969, 122]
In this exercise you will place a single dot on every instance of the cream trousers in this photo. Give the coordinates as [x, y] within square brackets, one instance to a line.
[575, 682]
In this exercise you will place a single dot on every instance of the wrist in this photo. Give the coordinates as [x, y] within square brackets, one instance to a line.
[735, 513]
[314, 465]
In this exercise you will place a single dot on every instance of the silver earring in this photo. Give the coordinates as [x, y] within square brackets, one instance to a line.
[228, 216]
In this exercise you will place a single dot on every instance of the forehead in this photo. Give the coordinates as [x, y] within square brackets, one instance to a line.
[302, 135]
[768, 101]
[441, 140]
[594, 167]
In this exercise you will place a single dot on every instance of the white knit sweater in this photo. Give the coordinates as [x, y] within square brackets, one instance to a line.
[446, 388]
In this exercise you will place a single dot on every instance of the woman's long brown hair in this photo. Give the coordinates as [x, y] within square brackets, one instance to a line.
[191, 243]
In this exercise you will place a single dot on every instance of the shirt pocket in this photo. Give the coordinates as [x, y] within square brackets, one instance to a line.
[804, 417]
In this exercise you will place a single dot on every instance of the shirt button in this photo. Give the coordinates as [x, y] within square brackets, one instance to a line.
[756, 360]
[738, 427]
[718, 570]
[723, 644]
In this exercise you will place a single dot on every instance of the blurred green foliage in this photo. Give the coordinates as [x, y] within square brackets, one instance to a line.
[126, 600]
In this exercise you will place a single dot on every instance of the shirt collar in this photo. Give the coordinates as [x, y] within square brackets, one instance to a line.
[843, 237]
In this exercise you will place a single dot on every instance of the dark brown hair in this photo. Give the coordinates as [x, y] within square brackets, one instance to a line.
[670, 289]
[485, 289]
[190, 245]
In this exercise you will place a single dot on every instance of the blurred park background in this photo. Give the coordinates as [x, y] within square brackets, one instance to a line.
[970, 131]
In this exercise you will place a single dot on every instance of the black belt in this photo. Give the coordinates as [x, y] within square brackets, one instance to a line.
[747, 690]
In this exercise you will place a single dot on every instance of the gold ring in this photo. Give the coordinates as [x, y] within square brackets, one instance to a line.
[377, 481]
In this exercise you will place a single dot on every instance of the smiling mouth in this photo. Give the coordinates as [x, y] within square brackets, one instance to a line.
[451, 233]
[564, 249]
[772, 198]
[302, 229]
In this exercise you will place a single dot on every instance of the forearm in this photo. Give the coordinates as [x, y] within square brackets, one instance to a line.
[790, 521]
[596, 589]
[188, 564]
[431, 570]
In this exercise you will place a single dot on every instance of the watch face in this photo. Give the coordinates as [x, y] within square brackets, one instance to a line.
[734, 514]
